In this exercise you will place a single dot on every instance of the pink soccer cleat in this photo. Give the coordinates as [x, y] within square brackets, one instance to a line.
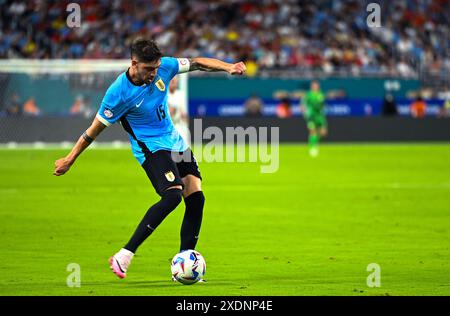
[120, 262]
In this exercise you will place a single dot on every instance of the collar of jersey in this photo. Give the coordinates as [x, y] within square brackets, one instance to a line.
[151, 84]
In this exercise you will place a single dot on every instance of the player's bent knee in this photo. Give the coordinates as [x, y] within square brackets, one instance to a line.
[191, 184]
[172, 197]
[198, 198]
[190, 190]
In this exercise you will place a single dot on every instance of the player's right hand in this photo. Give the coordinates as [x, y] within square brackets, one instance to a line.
[61, 166]
[237, 69]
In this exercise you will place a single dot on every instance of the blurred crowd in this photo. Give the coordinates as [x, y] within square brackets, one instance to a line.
[325, 35]
[15, 106]
[417, 108]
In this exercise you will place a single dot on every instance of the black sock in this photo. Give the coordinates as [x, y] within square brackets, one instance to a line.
[192, 220]
[154, 216]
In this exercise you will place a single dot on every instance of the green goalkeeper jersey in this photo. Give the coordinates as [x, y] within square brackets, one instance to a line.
[315, 103]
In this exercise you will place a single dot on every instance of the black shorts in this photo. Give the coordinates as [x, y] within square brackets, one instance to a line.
[165, 168]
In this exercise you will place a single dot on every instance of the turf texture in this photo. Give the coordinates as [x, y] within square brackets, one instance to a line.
[311, 228]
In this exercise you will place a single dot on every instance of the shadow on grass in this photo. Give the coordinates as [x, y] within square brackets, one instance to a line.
[170, 284]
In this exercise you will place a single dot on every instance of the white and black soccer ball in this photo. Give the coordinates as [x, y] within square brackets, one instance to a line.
[188, 267]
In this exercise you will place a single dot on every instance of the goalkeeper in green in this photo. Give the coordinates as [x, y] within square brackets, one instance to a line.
[313, 107]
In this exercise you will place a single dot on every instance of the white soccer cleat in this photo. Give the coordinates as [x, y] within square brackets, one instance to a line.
[120, 262]
[314, 152]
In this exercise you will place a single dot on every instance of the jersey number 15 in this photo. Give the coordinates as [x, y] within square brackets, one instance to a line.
[160, 112]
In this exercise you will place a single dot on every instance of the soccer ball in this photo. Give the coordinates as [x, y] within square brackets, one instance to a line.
[188, 267]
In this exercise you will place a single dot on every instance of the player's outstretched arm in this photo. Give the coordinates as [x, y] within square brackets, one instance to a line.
[63, 165]
[212, 64]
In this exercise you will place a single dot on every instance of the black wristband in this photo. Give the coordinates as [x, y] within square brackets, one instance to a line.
[87, 138]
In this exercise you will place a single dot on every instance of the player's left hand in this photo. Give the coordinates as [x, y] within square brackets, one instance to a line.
[237, 69]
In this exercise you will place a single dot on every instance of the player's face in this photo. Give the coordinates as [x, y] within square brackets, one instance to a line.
[315, 86]
[147, 71]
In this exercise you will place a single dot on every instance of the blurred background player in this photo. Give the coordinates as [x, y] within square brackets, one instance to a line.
[313, 107]
[177, 109]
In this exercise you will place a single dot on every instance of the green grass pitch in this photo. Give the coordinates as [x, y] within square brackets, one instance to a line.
[311, 228]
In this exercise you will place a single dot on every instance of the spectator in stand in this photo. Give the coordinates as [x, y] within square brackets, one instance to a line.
[253, 106]
[30, 108]
[389, 107]
[283, 109]
[327, 36]
[80, 107]
[445, 110]
[14, 107]
[445, 97]
[418, 108]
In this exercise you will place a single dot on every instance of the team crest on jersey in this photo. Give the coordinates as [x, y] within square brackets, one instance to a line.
[160, 85]
[108, 113]
[170, 176]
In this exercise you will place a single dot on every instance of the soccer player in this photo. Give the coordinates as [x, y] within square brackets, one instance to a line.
[313, 108]
[138, 98]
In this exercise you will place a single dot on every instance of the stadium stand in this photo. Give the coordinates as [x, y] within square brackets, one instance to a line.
[325, 36]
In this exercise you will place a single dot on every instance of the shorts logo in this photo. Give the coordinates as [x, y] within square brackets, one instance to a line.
[108, 113]
[170, 176]
[160, 85]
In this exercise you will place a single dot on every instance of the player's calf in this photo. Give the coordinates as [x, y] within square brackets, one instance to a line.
[154, 216]
[192, 221]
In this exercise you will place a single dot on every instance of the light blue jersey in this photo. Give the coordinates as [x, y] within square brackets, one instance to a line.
[143, 110]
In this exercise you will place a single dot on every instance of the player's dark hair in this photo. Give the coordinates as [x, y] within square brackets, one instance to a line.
[145, 50]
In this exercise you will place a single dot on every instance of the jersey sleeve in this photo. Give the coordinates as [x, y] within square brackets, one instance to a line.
[175, 66]
[112, 107]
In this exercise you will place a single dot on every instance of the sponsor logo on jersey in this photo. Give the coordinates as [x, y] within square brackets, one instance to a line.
[170, 176]
[160, 85]
[108, 113]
